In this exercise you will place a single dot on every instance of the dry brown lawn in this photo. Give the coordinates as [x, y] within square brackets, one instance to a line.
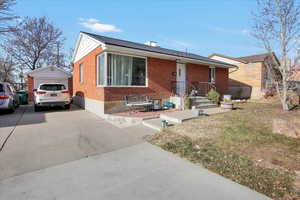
[246, 131]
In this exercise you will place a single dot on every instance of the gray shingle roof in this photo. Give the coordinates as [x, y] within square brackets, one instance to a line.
[143, 47]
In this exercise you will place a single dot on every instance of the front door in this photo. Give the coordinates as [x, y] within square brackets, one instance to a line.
[181, 79]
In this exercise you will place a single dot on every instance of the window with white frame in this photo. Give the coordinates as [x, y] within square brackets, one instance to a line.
[81, 73]
[121, 70]
[101, 69]
[212, 74]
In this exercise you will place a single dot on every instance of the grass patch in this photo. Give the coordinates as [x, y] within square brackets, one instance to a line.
[239, 133]
[240, 145]
[271, 182]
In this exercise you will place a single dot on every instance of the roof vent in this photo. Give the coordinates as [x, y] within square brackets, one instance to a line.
[152, 44]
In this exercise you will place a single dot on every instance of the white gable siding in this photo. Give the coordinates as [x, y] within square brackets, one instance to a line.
[226, 60]
[49, 73]
[85, 45]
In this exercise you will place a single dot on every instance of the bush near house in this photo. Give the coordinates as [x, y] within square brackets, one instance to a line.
[214, 96]
[187, 102]
[270, 93]
[240, 145]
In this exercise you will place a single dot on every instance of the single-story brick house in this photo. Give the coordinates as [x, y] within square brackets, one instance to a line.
[107, 69]
[251, 79]
[49, 74]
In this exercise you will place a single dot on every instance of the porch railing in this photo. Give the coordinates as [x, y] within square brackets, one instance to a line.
[202, 87]
[197, 87]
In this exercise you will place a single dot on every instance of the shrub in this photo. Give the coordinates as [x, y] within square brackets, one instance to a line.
[214, 96]
[270, 93]
[187, 102]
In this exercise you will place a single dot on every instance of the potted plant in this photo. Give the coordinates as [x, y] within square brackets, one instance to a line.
[227, 104]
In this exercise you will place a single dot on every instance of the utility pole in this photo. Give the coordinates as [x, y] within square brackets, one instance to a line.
[57, 55]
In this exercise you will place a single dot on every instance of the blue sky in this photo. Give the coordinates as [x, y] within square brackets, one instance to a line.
[200, 26]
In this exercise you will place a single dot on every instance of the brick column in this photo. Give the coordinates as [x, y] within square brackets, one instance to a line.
[30, 86]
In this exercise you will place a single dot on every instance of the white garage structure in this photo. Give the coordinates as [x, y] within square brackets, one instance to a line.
[49, 74]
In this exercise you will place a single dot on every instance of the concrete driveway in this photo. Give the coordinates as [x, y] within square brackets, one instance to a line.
[137, 172]
[51, 137]
[76, 155]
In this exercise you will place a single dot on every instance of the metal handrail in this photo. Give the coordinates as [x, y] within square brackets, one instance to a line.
[202, 88]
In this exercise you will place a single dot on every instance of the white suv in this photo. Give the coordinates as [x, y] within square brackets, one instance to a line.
[51, 94]
[9, 100]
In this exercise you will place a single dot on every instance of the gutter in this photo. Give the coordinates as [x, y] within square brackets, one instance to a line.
[236, 69]
[134, 50]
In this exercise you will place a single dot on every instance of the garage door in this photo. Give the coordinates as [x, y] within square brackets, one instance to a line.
[38, 81]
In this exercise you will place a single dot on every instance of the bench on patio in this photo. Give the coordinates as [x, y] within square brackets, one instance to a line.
[136, 101]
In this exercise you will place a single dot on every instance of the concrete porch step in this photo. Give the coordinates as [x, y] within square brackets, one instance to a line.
[178, 117]
[198, 97]
[201, 101]
[156, 123]
[206, 105]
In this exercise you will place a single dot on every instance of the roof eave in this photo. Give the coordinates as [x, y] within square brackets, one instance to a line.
[112, 47]
[44, 68]
[77, 43]
[228, 57]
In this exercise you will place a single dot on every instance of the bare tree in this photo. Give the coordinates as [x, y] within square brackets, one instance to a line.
[277, 28]
[7, 69]
[6, 16]
[67, 60]
[61, 59]
[34, 42]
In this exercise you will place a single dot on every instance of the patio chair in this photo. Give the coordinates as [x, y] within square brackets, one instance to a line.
[137, 101]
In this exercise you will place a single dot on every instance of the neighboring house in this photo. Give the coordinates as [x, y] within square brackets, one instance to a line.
[296, 68]
[296, 74]
[294, 80]
[107, 69]
[48, 74]
[251, 79]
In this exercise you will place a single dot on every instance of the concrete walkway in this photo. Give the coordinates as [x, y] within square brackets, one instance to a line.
[134, 173]
[178, 117]
[53, 137]
[74, 154]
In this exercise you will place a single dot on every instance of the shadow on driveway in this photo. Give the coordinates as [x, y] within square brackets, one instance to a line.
[56, 136]
[25, 115]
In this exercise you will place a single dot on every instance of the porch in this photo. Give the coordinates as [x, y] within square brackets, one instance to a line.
[193, 88]
[196, 91]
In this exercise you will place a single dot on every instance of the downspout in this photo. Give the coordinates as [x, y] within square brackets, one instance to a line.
[236, 69]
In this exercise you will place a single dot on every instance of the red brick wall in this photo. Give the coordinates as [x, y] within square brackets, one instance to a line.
[159, 82]
[159, 79]
[30, 85]
[197, 73]
[222, 80]
[201, 73]
[70, 84]
[89, 87]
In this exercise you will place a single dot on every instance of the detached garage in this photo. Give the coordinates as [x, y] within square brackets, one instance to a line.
[48, 74]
